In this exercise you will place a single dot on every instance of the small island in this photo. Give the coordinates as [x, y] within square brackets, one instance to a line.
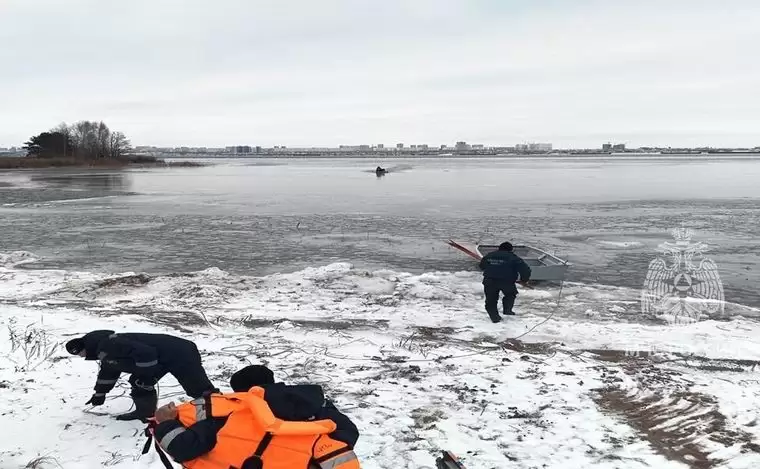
[83, 144]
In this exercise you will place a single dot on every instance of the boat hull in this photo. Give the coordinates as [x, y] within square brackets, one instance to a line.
[543, 265]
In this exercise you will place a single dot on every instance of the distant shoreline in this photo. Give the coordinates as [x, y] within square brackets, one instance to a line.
[8, 163]
[394, 156]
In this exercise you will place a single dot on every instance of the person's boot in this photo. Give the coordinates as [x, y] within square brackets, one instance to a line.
[509, 303]
[145, 407]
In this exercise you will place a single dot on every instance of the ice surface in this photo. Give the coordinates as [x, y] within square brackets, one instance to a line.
[412, 359]
[620, 244]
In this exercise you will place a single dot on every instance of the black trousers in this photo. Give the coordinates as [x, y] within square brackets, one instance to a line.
[492, 290]
[190, 375]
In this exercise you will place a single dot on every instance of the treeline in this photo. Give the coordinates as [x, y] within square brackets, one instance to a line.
[84, 140]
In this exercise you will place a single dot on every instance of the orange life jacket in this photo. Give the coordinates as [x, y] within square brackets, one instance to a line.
[253, 437]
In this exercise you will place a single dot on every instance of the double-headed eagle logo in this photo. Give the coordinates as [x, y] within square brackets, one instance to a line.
[682, 291]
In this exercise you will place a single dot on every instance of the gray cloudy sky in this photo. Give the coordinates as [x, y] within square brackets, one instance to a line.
[575, 73]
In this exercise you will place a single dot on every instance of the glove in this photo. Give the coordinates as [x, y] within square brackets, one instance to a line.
[96, 400]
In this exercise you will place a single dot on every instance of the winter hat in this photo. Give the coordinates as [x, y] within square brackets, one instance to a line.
[250, 376]
[74, 346]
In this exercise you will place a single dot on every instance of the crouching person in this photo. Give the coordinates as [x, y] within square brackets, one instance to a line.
[147, 358]
[240, 430]
[288, 402]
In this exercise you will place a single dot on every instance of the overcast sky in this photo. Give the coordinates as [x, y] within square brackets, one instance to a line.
[576, 73]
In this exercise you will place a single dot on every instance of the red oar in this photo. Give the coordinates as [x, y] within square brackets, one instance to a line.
[448, 461]
[454, 244]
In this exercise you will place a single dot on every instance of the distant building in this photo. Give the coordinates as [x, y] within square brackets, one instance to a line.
[380, 146]
[422, 147]
[400, 146]
[240, 149]
[478, 147]
[607, 147]
[355, 148]
[540, 147]
[414, 147]
[13, 151]
[461, 146]
[618, 147]
[533, 147]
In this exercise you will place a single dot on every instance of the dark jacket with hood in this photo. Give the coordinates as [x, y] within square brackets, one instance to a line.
[504, 267]
[287, 402]
[139, 354]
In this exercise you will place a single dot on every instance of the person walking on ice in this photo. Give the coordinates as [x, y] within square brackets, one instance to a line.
[501, 270]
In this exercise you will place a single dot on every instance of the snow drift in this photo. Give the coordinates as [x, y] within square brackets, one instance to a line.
[413, 359]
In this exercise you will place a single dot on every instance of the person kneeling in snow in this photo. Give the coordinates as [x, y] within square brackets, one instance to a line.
[147, 357]
[257, 427]
[258, 375]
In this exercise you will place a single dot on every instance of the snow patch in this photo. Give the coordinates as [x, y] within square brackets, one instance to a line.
[412, 359]
[16, 258]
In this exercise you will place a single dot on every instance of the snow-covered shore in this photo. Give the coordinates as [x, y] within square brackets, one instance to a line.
[412, 359]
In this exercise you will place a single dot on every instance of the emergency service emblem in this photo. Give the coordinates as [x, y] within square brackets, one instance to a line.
[686, 289]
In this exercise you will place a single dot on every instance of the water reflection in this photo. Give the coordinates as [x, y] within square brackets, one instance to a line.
[102, 181]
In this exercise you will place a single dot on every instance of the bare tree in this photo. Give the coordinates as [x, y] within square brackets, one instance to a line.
[104, 140]
[86, 140]
[68, 147]
[118, 145]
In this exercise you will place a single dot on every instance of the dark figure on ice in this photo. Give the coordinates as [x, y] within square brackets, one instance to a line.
[501, 269]
[230, 427]
[147, 357]
[380, 171]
